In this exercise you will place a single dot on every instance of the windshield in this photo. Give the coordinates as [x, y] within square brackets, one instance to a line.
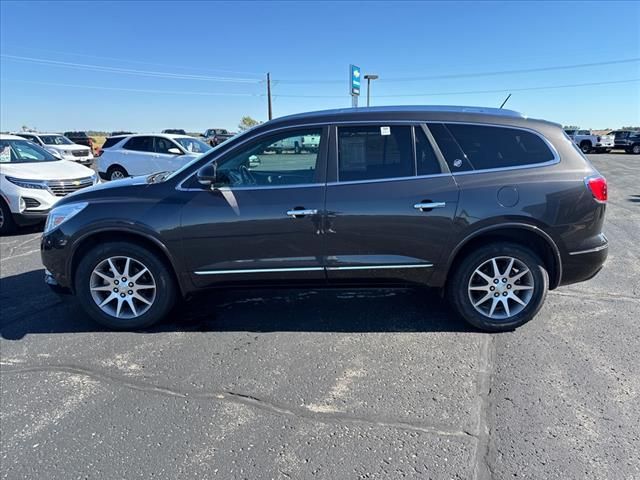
[23, 151]
[192, 145]
[55, 140]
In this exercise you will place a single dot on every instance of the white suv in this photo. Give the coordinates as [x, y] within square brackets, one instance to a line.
[60, 146]
[144, 154]
[32, 180]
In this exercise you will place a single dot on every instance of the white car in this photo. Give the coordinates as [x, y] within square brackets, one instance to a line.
[32, 180]
[60, 146]
[143, 154]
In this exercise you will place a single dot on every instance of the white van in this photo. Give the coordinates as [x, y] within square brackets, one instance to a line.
[32, 180]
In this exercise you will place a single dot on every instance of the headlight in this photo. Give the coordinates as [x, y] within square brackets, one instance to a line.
[39, 184]
[61, 214]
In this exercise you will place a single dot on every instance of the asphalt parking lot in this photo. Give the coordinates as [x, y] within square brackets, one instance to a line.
[328, 384]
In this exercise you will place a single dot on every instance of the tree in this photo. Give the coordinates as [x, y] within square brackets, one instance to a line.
[247, 122]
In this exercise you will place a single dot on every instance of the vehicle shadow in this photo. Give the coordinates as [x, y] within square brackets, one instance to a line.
[30, 308]
[634, 198]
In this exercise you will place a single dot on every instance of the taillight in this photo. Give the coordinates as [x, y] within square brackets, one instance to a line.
[598, 187]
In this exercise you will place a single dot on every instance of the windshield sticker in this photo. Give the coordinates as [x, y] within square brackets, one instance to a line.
[385, 130]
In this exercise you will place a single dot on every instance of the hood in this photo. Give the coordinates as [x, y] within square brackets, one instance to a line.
[73, 146]
[58, 170]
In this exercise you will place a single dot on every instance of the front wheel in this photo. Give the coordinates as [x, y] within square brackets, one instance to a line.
[7, 225]
[636, 149]
[124, 286]
[585, 147]
[499, 287]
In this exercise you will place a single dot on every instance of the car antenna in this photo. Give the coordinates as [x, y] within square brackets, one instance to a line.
[505, 101]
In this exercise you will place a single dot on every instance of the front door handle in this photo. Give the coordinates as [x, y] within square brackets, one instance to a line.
[301, 212]
[428, 206]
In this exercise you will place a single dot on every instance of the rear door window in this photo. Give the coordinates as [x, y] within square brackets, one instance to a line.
[375, 152]
[140, 144]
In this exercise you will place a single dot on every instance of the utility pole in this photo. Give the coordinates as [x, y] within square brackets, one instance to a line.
[269, 95]
[369, 78]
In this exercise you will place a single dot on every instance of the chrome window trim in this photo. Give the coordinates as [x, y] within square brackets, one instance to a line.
[392, 179]
[412, 122]
[262, 187]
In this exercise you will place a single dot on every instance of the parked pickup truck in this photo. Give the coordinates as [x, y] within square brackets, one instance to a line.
[588, 141]
[215, 136]
[307, 143]
[627, 140]
[81, 138]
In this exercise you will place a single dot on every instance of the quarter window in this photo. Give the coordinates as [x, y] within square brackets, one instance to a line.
[373, 152]
[485, 147]
[140, 144]
[286, 159]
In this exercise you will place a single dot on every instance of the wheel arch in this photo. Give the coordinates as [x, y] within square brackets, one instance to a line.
[520, 233]
[90, 240]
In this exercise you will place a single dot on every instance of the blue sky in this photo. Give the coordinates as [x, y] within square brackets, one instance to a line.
[151, 65]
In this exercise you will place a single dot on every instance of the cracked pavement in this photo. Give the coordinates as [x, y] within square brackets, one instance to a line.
[328, 384]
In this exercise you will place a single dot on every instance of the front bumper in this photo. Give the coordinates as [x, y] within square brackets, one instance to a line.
[30, 217]
[53, 284]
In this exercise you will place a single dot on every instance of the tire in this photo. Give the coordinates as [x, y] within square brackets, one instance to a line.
[635, 149]
[585, 146]
[297, 149]
[159, 301]
[116, 172]
[463, 289]
[7, 225]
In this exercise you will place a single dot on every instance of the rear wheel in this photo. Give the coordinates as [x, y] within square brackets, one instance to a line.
[636, 149]
[7, 225]
[116, 172]
[124, 286]
[499, 287]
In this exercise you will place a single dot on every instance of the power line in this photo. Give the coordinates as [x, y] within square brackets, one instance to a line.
[137, 90]
[138, 62]
[472, 75]
[471, 92]
[129, 71]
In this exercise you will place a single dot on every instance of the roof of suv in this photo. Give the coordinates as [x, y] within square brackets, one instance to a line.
[411, 112]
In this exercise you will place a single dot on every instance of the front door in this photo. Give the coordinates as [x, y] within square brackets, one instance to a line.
[263, 222]
[391, 207]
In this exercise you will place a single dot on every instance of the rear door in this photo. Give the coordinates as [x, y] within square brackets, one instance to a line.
[136, 155]
[390, 205]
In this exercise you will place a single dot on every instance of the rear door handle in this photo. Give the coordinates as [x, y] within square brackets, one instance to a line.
[427, 206]
[301, 212]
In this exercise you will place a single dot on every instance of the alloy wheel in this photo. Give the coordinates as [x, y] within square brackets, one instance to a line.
[116, 175]
[1, 218]
[501, 288]
[122, 287]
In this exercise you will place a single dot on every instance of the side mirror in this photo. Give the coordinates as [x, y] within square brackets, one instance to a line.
[207, 175]
[175, 151]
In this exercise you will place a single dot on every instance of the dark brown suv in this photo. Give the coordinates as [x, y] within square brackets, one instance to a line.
[488, 206]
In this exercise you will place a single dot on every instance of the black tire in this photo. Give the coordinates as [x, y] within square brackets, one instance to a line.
[165, 296]
[116, 172]
[297, 149]
[585, 146]
[459, 296]
[635, 149]
[7, 225]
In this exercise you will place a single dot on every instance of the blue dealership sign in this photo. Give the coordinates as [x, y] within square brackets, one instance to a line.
[355, 80]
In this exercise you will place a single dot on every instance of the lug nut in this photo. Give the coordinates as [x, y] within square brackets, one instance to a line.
[504, 294]
[492, 288]
[495, 281]
[130, 292]
[131, 284]
[116, 282]
[504, 280]
[496, 294]
[509, 285]
[115, 290]
[124, 279]
[122, 295]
